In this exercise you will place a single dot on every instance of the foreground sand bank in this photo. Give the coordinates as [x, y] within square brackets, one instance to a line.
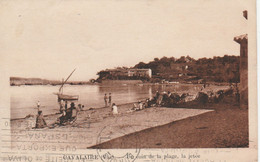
[226, 127]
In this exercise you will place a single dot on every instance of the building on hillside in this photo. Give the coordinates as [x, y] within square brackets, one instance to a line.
[118, 72]
[140, 72]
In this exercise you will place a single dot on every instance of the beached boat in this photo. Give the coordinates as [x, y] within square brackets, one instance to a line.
[66, 97]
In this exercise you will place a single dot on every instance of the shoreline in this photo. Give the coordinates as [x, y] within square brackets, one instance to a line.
[137, 84]
[85, 109]
[191, 96]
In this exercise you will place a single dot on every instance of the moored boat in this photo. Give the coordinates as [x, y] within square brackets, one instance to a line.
[66, 97]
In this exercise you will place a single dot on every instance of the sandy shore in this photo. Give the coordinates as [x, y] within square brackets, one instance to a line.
[226, 127]
[93, 127]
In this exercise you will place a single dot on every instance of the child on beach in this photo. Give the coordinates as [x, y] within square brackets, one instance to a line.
[140, 105]
[40, 122]
[114, 109]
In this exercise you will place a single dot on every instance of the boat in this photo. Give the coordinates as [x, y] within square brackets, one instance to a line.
[66, 97]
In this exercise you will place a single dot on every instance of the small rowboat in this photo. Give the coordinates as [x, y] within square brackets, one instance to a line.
[65, 97]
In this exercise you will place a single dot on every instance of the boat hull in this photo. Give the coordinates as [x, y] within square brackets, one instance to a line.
[67, 97]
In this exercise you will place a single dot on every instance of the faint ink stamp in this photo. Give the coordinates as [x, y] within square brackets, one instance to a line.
[107, 154]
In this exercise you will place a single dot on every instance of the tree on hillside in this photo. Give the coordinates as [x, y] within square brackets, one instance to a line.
[156, 59]
[141, 65]
[218, 69]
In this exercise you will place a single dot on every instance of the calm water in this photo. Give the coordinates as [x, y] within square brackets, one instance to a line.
[24, 98]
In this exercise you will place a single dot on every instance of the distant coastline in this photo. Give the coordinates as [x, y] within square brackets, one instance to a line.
[17, 81]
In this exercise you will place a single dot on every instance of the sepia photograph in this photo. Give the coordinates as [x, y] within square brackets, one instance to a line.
[123, 80]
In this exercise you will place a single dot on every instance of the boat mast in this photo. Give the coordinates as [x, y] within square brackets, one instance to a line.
[61, 91]
[65, 81]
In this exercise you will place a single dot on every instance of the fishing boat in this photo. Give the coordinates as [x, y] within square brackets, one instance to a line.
[66, 97]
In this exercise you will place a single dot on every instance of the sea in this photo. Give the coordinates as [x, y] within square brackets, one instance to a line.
[24, 98]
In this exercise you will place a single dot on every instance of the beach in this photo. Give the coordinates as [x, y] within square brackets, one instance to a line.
[95, 126]
[181, 127]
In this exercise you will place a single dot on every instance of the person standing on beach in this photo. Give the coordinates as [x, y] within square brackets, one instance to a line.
[109, 99]
[105, 99]
[66, 105]
[38, 105]
[40, 122]
[62, 106]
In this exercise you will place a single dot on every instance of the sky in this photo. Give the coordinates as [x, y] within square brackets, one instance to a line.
[48, 39]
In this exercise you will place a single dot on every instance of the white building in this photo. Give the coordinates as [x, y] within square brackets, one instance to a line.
[140, 72]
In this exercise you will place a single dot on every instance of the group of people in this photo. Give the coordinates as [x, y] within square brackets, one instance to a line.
[160, 99]
[68, 114]
[64, 105]
[168, 99]
[108, 103]
[108, 99]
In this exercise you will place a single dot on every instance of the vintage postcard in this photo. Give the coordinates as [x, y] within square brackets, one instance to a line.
[128, 80]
